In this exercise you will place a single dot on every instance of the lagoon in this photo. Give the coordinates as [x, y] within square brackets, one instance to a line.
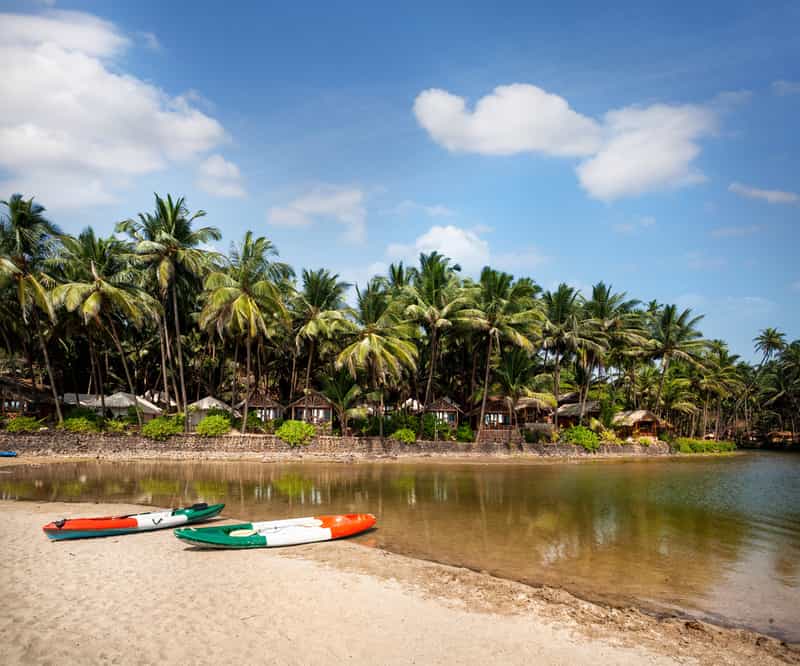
[714, 537]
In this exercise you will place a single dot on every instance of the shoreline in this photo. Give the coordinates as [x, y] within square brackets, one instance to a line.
[395, 592]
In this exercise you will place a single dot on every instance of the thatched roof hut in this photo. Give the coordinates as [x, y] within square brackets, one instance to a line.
[445, 409]
[636, 423]
[314, 408]
[570, 414]
[264, 406]
[198, 410]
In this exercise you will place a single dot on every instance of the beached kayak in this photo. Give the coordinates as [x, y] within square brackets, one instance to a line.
[273, 533]
[8, 454]
[80, 528]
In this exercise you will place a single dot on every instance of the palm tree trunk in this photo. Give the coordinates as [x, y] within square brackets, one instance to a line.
[705, 417]
[719, 416]
[585, 392]
[131, 386]
[179, 347]
[556, 387]
[293, 378]
[234, 379]
[100, 386]
[49, 371]
[380, 416]
[308, 374]
[247, 388]
[163, 364]
[430, 368]
[485, 385]
[661, 385]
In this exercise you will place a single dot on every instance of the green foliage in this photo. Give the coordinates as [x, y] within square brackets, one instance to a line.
[224, 413]
[610, 437]
[24, 424]
[163, 427]
[581, 436]
[254, 424]
[645, 441]
[433, 429]
[83, 413]
[689, 445]
[115, 427]
[404, 435]
[296, 433]
[80, 424]
[464, 433]
[213, 425]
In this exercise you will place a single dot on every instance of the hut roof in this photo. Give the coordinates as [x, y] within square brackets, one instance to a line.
[313, 399]
[209, 402]
[534, 403]
[121, 400]
[261, 400]
[568, 398]
[631, 418]
[26, 389]
[574, 409]
[444, 404]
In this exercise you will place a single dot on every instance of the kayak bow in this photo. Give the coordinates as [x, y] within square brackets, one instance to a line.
[80, 528]
[271, 533]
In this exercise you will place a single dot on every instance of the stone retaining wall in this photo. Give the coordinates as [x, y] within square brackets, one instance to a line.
[71, 444]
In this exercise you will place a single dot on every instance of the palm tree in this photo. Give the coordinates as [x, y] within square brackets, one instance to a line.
[514, 376]
[436, 300]
[564, 330]
[25, 237]
[318, 308]
[342, 390]
[675, 336]
[769, 342]
[505, 312]
[243, 300]
[381, 345]
[167, 243]
[100, 289]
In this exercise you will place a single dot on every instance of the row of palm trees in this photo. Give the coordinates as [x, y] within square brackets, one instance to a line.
[155, 309]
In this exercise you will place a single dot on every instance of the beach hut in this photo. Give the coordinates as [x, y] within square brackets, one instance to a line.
[444, 409]
[120, 404]
[200, 409]
[533, 410]
[637, 423]
[570, 413]
[496, 416]
[313, 408]
[21, 397]
[264, 406]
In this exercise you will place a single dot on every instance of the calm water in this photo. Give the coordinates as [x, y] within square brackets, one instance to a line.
[718, 537]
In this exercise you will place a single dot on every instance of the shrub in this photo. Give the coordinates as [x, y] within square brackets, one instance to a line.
[83, 413]
[80, 424]
[645, 441]
[213, 426]
[163, 427]
[610, 437]
[254, 424]
[115, 427]
[690, 445]
[224, 413]
[404, 435]
[296, 433]
[464, 433]
[582, 436]
[432, 428]
[24, 424]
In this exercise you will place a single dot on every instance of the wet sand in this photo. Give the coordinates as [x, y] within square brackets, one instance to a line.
[151, 599]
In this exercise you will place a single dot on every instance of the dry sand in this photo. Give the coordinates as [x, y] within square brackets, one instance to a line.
[149, 598]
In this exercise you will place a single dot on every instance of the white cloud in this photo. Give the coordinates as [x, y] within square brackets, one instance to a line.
[770, 196]
[646, 149]
[463, 246]
[432, 210]
[466, 248]
[345, 205]
[734, 231]
[512, 119]
[220, 178]
[74, 129]
[700, 261]
[786, 87]
[632, 151]
[632, 227]
[150, 41]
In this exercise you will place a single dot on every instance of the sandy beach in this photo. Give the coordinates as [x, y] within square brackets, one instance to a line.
[150, 599]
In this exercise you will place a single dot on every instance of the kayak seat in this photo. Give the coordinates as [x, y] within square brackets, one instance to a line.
[242, 533]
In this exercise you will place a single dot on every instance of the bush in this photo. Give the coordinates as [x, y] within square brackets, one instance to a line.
[24, 424]
[436, 429]
[254, 424]
[296, 433]
[224, 413]
[83, 413]
[115, 427]
[689, 445]
[213, 426]
[404, 435]
[464, 433]
[645, 441]
[163, 427]
[80, 424]
[610, 437]
[581, 436]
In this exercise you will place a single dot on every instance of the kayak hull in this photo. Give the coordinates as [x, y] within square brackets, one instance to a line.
[276, 533]
[85, 528]
[8, 454]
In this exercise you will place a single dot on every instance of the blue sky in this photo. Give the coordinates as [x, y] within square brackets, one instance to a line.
[655, 149]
